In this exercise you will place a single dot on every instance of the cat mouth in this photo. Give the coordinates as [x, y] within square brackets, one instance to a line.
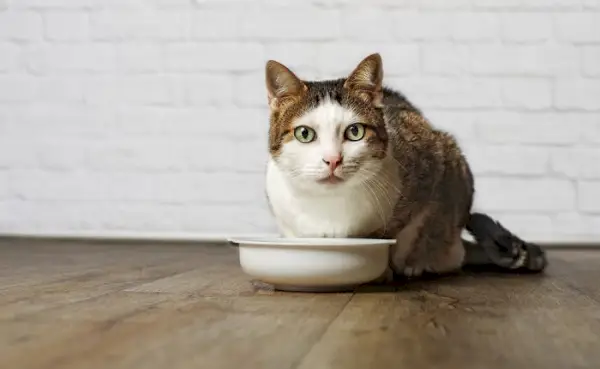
[331, 179]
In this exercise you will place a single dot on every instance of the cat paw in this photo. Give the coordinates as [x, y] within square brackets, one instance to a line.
[535, 257]
[413, 271]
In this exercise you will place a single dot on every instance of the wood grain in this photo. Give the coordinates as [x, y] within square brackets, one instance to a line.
[123, 305]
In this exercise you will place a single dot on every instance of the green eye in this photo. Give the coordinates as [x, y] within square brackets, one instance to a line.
[304, 134]
[355, 132]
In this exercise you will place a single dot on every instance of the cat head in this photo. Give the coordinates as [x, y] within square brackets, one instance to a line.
[327, 134]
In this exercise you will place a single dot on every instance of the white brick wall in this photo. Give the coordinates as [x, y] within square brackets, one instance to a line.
[149, 115]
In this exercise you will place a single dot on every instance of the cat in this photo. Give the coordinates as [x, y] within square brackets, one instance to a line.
[352, 158]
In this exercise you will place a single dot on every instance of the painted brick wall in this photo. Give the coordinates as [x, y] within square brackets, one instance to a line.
[149, 115]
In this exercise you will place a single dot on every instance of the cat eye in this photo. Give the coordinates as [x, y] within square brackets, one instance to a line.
[304, 134]
[355, 132]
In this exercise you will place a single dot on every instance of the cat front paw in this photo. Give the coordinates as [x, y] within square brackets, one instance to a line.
[413, 271]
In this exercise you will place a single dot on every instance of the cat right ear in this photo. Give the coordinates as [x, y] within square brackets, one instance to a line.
[282, 84]
[366, 80]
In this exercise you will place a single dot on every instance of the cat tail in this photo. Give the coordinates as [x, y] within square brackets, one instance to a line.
[498, 246]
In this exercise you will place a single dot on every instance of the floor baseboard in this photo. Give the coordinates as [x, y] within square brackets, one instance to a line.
[204, 238]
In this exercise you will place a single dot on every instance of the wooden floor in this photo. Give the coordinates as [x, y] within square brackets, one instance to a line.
[108, 305]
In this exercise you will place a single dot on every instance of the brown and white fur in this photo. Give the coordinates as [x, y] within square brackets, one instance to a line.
[402, 179]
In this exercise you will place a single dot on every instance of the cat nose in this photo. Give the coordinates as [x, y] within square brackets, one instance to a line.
[333, 161]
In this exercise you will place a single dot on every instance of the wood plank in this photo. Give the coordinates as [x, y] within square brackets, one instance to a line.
[97, 270]
[98, 305]
[579, 270]
[465, 322]
[221, 332]
[30, 264]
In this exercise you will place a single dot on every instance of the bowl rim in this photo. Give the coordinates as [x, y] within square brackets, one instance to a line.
[309, 241]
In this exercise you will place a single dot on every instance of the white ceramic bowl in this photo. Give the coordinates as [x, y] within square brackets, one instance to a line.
[313, 264]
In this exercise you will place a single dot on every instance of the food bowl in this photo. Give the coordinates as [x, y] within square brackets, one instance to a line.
[313, 264]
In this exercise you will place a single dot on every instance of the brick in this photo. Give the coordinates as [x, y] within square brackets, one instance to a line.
[86, 57]
[16, 153]
[140, 217]
[240, 156]
[66, 26]
[527, 4]
[591, 4]
[140, 57]
[300, 57]
[197, 57]
[9, 59]
[250, 90]
[62, 121]
[140, 25]
[310, 24]
[165, 3]
[6, 121]
[132, 156]
[129, 5]
[578, 27]
[529, 128]
[577, 94]
[60, 155]
[366, 24]
[444, 4]
[460, 124]
[412, 25]
[590, 124]
[528, 226]
[589, 196]
[192, 122]
[33, 185]
[17, 88]
[507, 160]
[143, 89]
[475, 26]
[444, 59]
[149, 89]
[567, 4]
[526, 27]
[216, 24]
[520, 194]
[574, 227]
[445, 92]
[527, 93]
[20, 26]
[591, 61]
[228, 219]
[3, 186]
[524, 60]
[577, 163]
[210, 90]
[204, 188]
[339, 59]
[63, 89]
[50, 4]
[101, 90]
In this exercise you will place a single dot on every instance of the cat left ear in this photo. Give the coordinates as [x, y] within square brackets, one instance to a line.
[282, 84]
[366, 80]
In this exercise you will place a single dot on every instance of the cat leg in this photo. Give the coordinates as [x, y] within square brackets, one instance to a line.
[437, 248]
[405, 241]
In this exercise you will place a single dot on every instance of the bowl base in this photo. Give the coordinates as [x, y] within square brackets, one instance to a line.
[295, 288]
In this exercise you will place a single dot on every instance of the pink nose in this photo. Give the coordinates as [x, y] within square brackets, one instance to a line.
[333, 161]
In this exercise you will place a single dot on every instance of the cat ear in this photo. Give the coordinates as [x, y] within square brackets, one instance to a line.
[281, 84]
[366, 80]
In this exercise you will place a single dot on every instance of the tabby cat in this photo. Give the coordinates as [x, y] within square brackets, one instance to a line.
[352, 158]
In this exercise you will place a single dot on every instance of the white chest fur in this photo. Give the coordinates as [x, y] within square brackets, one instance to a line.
[342, 212]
